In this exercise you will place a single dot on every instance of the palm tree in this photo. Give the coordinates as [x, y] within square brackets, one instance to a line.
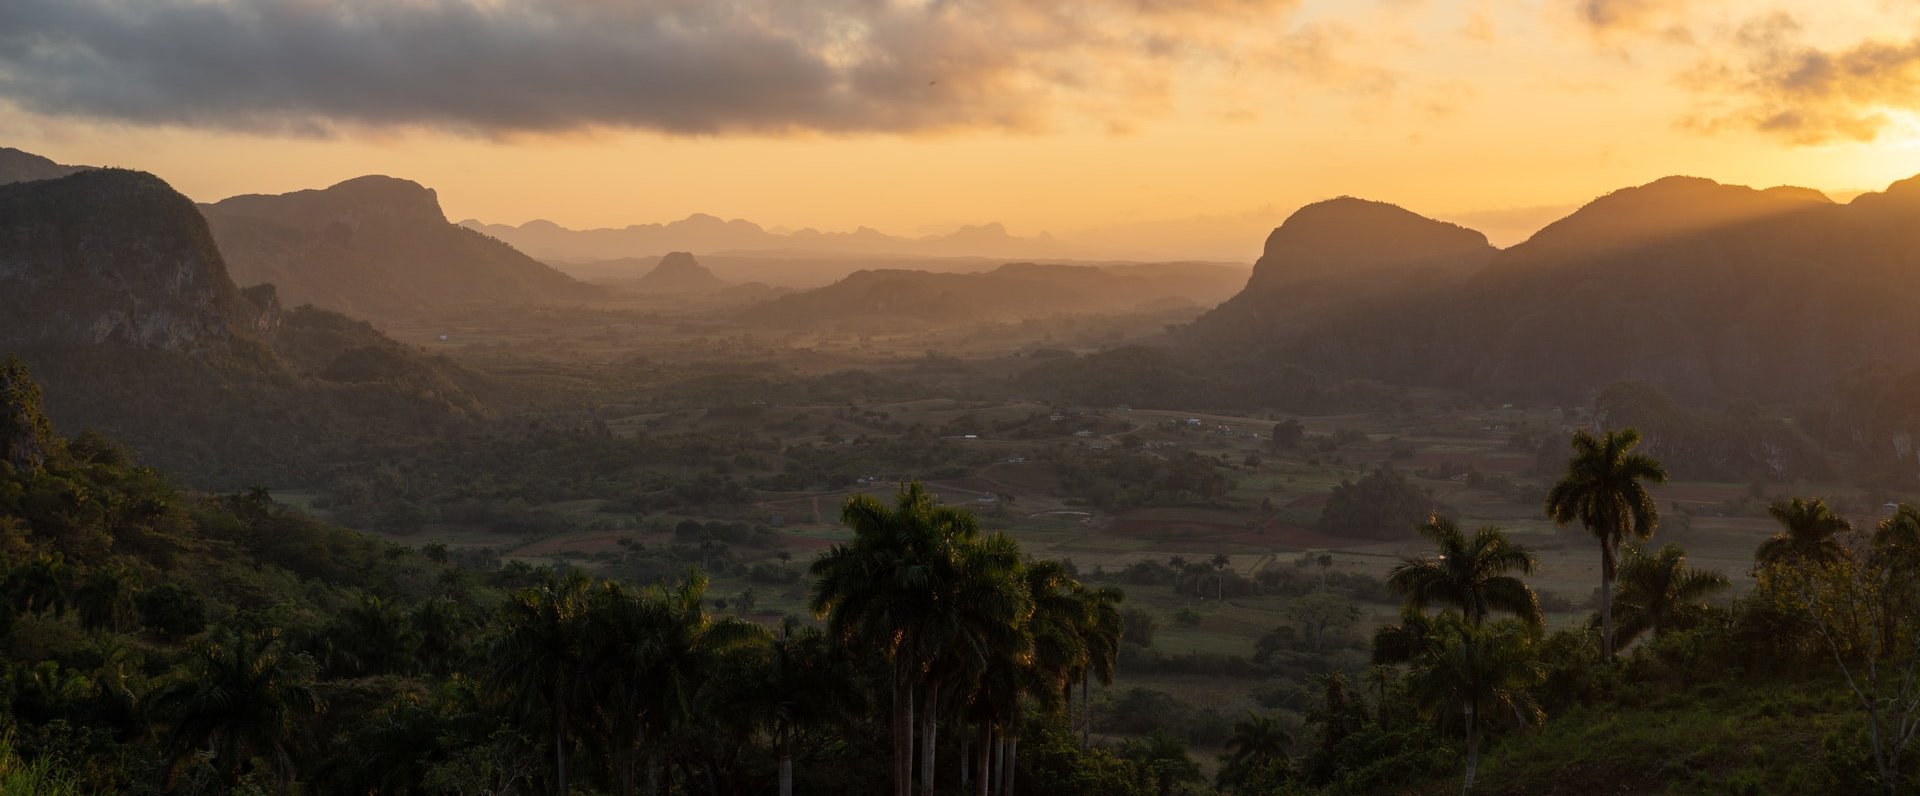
[539, 663]
[1101, 627]
[1482, 671]
[1809, 532]
[1469, 574]
[1655, 591]
[106, 600]
[240, 697]
[1162, 758]
[1257, 742]
[649, 655]
[800, 683]
[1899, 537]
[875, 591]
[1220, 562]
[1603, 489]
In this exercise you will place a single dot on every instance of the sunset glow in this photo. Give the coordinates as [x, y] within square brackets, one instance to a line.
[1085, 119]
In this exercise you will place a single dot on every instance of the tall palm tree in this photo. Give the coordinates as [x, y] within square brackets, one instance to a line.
[1656, 589]
[1220, 562]
[649, 654]
[539, 663]
[1604, 490]
[1482, 671]
[800, 683]
[1809, 532]
[240, 697]
[1469, 574]
[1101, 627]
[875, 590]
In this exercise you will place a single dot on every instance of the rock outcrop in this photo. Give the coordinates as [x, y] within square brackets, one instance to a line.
[109, 256]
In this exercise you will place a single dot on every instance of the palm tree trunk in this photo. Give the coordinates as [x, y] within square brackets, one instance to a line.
[1606, 603]
[1473, 749]
[965, 761]
[1013, 749]
[902, 730]
[1086, 710]
[560, 745]
[927, 735]
[983, 759]
[786, 775]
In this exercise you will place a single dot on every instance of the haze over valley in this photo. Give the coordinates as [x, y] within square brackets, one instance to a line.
[1104, 399]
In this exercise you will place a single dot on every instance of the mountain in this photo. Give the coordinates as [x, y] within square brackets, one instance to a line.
[18, 166]
[140, 271]
[1706, 291]
[705, 234]
[379, 248]
[114, 293]
[679, 272]
[891, 298]
[1332, 253]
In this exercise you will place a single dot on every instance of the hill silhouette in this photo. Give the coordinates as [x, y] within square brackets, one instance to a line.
[884, 298]
[706, 234]
[679, 272]
[379, 248]
[1704, 290]
[18, 166]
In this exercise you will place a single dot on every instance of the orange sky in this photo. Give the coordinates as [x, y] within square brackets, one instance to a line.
[1097, 121]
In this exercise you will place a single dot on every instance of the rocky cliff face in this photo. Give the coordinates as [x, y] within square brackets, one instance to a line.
[110, 256]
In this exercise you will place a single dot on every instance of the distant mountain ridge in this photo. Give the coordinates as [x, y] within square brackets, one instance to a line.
[887, 297]
[704, 234]
[18, 166]
[377, 247]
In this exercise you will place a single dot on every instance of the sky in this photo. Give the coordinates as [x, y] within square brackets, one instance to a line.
[1162, 127]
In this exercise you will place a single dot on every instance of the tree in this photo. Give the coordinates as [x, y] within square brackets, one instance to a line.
[648, 655]
[1469, 574]
[875, 590]
[539, 664]
[241, 697]
[1603, 489]
[1482, 672]
[1657, 591]
[1810, 531]
[1898, 537]
[1381, 505]
[1256, 750]
[1287, 434]
[1163, 759]
[107, 600]
[800, 684]
[1861, 607]
[1220, 562]
[1320, 613]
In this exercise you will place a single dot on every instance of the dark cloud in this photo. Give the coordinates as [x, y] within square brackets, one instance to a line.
[1806, 94]
[500, 67]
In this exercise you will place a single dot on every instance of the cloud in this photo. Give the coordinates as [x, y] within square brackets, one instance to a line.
[1613, 19]
[1806, 94]
[505, 67]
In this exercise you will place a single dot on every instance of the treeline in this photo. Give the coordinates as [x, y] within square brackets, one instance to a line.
[1468, 666]
[161, 642]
